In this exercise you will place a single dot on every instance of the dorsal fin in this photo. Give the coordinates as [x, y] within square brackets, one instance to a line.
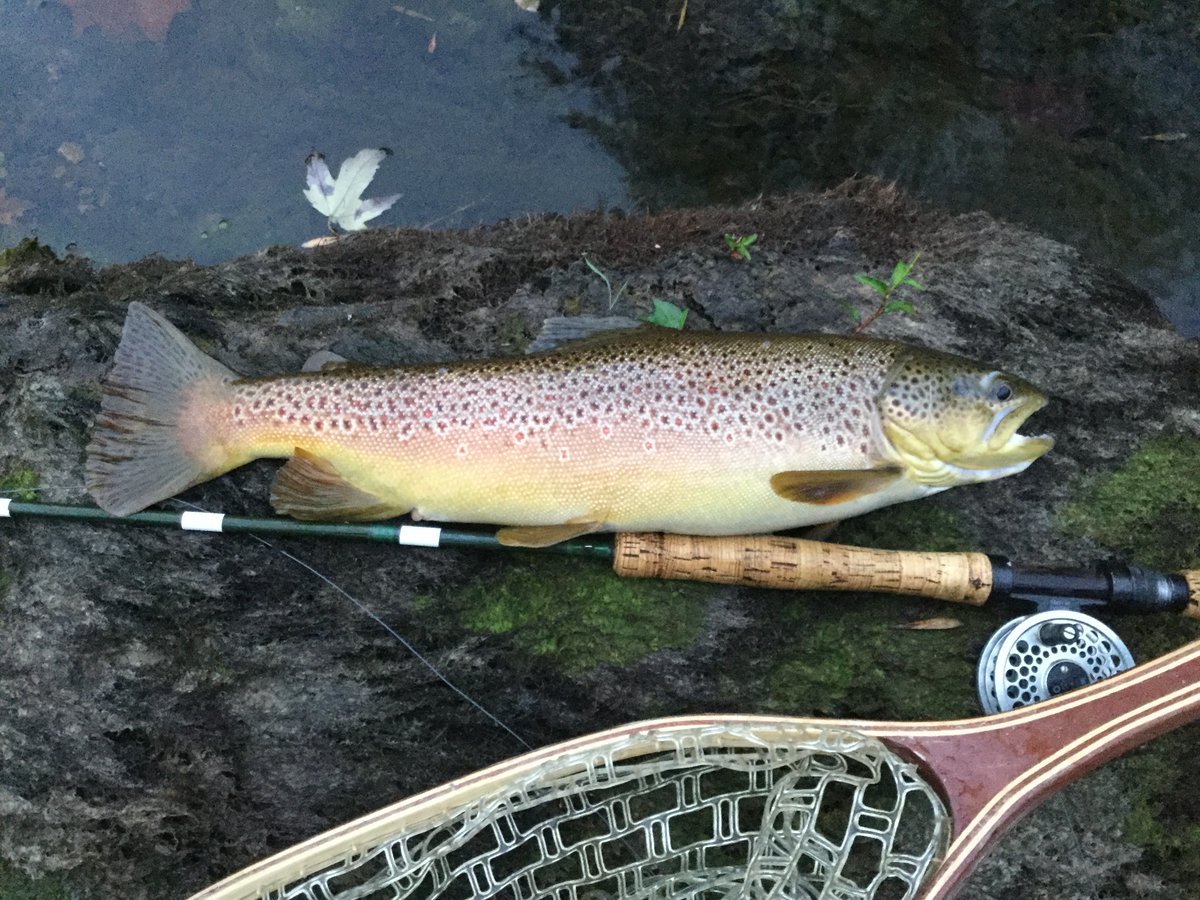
[325, 361]
[575, 332]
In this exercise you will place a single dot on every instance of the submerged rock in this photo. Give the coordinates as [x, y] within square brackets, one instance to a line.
[177, 706]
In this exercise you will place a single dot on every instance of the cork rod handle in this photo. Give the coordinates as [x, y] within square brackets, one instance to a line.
[1192, 577]
[771, 561]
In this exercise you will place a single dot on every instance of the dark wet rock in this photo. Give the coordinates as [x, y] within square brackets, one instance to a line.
[1043, 119]
[175, 706]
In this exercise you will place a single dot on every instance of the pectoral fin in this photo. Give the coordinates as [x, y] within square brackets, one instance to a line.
[836, 486]
[544, 535]
[309, 487]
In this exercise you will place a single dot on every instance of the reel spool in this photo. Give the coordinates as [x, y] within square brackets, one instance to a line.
[1037, 657]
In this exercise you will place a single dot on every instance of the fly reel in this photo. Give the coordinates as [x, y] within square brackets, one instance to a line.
[1037, 657]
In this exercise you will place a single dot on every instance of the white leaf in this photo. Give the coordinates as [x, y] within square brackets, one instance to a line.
[320, 182]
[340, 198]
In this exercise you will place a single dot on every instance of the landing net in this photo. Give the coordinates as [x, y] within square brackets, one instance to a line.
[717, 811]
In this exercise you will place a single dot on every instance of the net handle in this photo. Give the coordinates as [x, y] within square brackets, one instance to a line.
[771, 561]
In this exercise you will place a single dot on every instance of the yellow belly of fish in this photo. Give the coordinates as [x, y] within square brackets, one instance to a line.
[628, 480]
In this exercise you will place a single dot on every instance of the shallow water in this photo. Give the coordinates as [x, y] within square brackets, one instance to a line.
[194, 146]
[186, 135]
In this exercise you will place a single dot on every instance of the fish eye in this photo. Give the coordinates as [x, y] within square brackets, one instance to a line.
[1001, 391]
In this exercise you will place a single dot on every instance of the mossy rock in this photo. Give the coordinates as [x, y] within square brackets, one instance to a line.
[16, 886]
[30, 250]
[846, 648]
[932, 527]
[1164, 812]
[1149, 507]
[20, 483]
[581, 615]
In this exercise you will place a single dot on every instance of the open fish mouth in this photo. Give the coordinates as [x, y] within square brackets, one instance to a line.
[1002, 449]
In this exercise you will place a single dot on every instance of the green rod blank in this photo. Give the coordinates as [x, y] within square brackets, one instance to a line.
[405, 535]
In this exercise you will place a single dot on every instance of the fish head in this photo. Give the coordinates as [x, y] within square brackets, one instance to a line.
[953, 421]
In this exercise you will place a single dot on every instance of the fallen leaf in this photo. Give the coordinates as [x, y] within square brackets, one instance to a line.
[938, 623]
[323, 241]
[11, 209]
[124, 18]
[71, 152]
[1166, 136]
[340, 198]
[432, 43]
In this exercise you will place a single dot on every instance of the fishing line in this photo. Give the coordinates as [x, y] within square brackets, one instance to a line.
[404, 643]
[407, 645]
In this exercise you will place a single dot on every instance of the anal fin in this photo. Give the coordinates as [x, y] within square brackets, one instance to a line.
[833, 486]
[309, 487]
[544, 535]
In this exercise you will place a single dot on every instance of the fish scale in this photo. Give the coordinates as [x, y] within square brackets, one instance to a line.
[703, 433]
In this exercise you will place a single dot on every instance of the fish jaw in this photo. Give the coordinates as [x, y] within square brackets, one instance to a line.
[1003, 453]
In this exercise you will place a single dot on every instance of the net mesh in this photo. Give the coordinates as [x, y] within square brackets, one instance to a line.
[718, 812]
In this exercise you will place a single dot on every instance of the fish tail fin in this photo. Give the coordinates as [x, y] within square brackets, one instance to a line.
[151, 440]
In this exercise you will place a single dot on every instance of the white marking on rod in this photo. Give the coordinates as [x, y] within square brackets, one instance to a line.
[201, 521]
[5, 502]
[419, 536]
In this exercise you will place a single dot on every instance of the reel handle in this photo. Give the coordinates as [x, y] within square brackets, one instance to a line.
[772, 561]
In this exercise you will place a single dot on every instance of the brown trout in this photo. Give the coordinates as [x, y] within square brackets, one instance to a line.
[696, 433]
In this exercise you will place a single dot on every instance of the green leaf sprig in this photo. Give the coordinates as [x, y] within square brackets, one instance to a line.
[888, 302]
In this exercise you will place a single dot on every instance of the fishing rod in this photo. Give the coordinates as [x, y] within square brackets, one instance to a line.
[767, 561]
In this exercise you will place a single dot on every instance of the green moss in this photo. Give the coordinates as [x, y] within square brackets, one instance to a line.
[927, 526]
[30, 250]
[17, 886]
[847, 656]
[581, 615]
[1162, 810]
[19, 483]
[1148, 508]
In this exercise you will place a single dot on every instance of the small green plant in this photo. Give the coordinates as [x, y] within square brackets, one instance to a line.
[612, 298]
[888, 302]
[739, 245]
[666, 314]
